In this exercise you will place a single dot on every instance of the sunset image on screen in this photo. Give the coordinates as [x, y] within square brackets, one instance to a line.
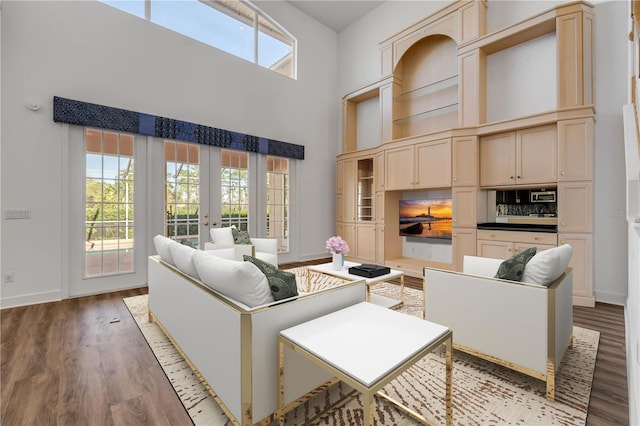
[426, 218]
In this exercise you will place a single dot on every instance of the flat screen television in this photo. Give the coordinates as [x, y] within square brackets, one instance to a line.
[426, 218]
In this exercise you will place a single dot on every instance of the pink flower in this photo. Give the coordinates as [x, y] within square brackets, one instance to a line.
[337, 245]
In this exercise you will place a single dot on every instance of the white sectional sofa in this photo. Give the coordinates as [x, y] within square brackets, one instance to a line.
[525, 327]
[231, 345]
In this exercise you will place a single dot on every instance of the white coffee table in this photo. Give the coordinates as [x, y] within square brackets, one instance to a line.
[387, 302]
[367, 346]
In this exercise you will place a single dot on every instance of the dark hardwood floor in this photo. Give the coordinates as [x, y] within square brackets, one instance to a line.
[69, 363]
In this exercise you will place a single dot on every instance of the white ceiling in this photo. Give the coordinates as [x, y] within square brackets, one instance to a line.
[336, 14]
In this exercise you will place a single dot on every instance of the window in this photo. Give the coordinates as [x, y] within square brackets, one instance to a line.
[234, 26]
[278, 201]
[109, 190]
[234, 186]
[182, 197]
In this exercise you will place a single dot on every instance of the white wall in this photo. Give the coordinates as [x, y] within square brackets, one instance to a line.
[95, 53]
[359, 60]
[610, 226]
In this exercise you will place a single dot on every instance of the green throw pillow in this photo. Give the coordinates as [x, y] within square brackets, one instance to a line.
[282, 283]
[513, 268]
[240, 237]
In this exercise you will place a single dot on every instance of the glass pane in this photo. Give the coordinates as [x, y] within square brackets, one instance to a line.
[274, 49]
[94, 166]
[206, 24]
[125, 261]
[134, 7]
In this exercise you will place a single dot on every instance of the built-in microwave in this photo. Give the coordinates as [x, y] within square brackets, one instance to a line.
[543, 196]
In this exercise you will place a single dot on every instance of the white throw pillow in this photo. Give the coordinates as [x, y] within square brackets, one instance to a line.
[242, 281]
[222, 235]
[546, 266]
[163, 244]
[183, 259]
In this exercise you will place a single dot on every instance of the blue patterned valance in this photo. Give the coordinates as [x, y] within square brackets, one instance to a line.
[104, 117]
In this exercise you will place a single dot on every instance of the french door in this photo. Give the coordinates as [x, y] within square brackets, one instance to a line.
[205, 187]
[123, 189]
[106, 211]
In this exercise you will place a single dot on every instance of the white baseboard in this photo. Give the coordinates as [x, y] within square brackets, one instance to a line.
[611, 298]
[30, 299]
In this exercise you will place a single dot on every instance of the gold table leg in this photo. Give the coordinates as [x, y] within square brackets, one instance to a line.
[449, 380]
[281, 381]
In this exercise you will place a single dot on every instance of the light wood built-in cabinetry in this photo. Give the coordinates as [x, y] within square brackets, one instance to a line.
[432, 97]
[503, 244]
[522, 157]
[419, 166]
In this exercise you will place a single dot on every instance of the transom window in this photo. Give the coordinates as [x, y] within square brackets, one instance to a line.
[278, 201]
[234, 26]
[109, 175]
[234, 186]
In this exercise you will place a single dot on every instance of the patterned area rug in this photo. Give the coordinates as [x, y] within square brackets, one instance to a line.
[483, 393]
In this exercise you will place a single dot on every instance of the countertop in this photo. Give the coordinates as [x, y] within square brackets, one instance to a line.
[526, 227]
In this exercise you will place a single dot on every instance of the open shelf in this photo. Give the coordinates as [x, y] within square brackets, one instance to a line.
[428, 89]
[447, 109]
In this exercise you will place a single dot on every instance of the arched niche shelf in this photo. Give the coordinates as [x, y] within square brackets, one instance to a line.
[426, 86]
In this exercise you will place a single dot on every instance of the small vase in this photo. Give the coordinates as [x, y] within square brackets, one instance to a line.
[338, 261]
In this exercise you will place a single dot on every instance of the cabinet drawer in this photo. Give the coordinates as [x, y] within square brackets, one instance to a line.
[518, 237]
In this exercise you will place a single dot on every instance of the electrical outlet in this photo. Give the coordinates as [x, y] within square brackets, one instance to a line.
[8, 277]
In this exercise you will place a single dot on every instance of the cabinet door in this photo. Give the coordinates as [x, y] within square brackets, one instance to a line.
[339, 177]
[518, 247]
[494, 249]
[464, 244]
[378, 207]
[575, 149]
[465, 161]
[339, 229]
[582, 264]
[433, 164]
[378, 170]
[399, 164]
[366, 242]
[349, 236]
[464, 207]
[497, 159]
[379, 245]
[339, 208]
[575, 207]
[350, 179]
[536, 155]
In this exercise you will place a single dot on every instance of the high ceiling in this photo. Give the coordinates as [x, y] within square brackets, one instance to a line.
[336, 14]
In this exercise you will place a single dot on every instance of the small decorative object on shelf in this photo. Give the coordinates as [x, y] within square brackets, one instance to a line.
[338, 248]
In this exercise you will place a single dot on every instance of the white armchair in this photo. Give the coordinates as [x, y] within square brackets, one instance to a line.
[265, 249]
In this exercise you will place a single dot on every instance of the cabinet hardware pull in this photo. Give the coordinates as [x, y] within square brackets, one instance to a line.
[511, 177]
[562, 173]
[205, 223]
[561, 241]
[455, 180]
[518, 177]
[562, 224]
[536, 238]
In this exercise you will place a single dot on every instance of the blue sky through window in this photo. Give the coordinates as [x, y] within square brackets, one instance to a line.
[199, 21]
